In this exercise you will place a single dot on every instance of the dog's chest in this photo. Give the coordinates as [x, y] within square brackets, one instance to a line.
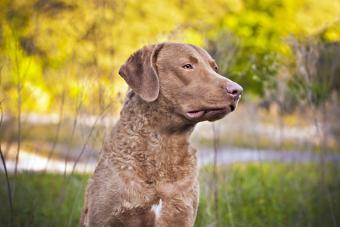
[169, 165]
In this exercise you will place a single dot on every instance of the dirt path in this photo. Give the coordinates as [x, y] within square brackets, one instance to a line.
[34, 162]
[233, 155]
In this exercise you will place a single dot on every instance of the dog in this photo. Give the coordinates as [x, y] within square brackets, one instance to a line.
[147, 171]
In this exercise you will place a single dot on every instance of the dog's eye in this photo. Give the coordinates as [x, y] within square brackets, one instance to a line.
[215, 68]
[187, 66]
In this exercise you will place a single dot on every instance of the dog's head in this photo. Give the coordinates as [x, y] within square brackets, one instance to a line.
[186, 76]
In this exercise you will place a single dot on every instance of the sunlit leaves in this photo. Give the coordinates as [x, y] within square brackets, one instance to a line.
[58, 44]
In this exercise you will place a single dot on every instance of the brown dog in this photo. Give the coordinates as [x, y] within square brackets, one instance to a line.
[147, 172]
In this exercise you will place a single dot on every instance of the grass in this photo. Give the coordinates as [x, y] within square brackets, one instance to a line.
[44, 200]
[267, 194]
[271, 195]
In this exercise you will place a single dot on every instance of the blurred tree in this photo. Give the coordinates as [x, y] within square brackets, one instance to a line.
[49, 46]
[261, 28]
[56, 47]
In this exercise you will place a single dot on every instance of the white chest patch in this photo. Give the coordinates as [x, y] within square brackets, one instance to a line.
[157, 208]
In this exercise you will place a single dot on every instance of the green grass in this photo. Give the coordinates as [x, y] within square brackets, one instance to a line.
[43, 200]
[270, 194]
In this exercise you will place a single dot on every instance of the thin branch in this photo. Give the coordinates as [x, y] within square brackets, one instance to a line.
[74, 126]
[75, 201]
[56, 137]
[215, 174]
[9, 192]
[21, 76]
[19, 103]
[89, 136]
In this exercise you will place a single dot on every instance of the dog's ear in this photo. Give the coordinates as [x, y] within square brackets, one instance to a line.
[140, 72]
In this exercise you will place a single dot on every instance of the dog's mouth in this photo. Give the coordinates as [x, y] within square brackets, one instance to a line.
[210, 112]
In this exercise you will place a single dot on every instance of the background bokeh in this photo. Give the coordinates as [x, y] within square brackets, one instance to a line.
[273, 162]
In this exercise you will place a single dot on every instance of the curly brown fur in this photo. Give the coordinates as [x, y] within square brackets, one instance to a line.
[147, 171]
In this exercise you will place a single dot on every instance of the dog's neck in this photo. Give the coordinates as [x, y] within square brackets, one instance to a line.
[159, 117]
[150, 135]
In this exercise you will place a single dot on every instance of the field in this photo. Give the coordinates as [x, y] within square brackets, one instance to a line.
[273, 162]
[256, 194]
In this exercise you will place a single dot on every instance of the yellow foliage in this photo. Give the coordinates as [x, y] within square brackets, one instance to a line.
[79, 40]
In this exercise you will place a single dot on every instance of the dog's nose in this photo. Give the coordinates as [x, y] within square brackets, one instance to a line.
[234, 88]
